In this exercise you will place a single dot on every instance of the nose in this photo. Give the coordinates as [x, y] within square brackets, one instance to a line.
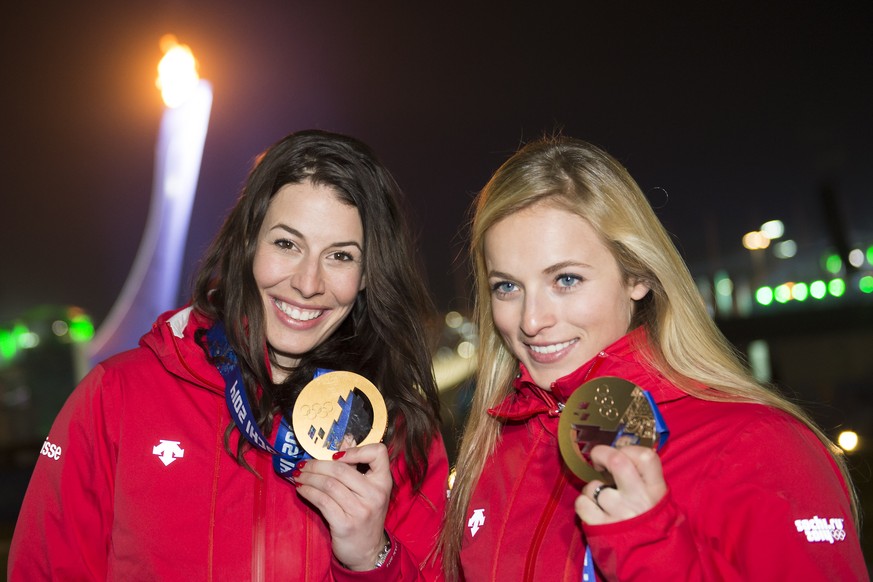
[308, 278]
[537, 313]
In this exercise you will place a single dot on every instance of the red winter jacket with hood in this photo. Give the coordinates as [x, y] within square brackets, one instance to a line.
[141, 487]
[752, 494]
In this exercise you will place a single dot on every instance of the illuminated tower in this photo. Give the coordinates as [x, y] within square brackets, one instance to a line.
[152, 285]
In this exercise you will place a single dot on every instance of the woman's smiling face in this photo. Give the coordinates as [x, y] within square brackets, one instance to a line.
[308, 267]
[557, 294]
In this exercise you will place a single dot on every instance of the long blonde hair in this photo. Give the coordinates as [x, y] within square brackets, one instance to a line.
[686, 346]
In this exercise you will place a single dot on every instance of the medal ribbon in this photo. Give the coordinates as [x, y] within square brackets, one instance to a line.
[588, 574]
[286, 451]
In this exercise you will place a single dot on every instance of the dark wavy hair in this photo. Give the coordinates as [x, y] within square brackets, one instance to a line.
[384, 338]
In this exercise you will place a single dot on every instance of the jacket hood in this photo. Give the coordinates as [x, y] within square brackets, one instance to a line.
[172, 340]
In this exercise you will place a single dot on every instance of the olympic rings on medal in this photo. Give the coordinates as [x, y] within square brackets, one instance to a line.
[338, 410]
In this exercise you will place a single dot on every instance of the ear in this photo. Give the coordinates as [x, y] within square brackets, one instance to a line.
[363, 284]
[639, 290]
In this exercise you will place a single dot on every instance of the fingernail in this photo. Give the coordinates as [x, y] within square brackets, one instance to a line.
[296, 484]
[301, 464]
[338, 455]
[295, 473]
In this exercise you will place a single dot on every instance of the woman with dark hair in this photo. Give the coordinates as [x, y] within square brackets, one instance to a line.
[588, 316]
[180, 461]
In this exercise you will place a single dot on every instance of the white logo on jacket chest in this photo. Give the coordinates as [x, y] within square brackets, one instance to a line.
[168, 451]
[476, 521]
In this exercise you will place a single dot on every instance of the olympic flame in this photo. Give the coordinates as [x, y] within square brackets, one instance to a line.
[177, 72]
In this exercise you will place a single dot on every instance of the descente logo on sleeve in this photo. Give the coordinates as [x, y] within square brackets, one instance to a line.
[50, 450]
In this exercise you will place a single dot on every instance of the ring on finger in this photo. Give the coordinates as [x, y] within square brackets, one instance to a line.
[597, 491]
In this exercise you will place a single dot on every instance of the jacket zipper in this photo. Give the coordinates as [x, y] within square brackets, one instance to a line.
[258, 524]
[555, 409]
[542, 526]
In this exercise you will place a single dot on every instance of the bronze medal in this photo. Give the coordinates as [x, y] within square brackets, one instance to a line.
[604, 411]
[337, 411]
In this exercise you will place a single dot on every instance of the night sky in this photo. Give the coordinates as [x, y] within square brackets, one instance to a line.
[726, 116]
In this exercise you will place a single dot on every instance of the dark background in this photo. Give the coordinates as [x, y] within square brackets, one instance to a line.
[726, 114]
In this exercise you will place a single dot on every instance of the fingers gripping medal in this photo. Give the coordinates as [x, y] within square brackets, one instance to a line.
[605, 411]
[337, 411]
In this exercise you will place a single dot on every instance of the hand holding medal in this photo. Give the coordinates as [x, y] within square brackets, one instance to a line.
[337, 411]
[606, 411]
[334, 413]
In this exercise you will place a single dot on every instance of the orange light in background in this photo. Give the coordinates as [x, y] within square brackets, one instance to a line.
[177, 72]
[755, 240]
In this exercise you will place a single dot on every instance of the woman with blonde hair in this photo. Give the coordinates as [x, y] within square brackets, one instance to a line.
[577, 280]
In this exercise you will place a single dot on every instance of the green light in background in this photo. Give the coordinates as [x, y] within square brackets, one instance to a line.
[870, 254]
[836, 287]
[724, 286]
[866, 284]
[81, 328]
[8, 344]
[800, 291]
[782, 293]
[764, 296]
[818, 289]
[833, 264]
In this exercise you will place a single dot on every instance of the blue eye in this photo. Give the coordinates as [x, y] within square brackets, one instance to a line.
[503, 287]
[566, 280]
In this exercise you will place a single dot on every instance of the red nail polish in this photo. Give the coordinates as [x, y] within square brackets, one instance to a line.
[295, 473]
[301, 464]
[338, 455]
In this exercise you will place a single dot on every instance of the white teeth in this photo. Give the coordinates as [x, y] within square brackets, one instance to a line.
[550, 349]
[298, 314]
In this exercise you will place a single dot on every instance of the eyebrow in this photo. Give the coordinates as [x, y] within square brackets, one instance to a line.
[550, 270]
[558, 267]
[499, 275]
[297, 233]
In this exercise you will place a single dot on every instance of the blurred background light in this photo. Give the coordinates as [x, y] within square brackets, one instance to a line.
[818, 289]
[782, 293]
[454, 319]
[800, 291]
[773, 229]
[836, 287]
[764, 296]
[833, 263]
[786, 249]
[848, 440]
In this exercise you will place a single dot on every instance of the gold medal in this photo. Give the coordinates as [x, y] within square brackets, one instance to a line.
[337, 411]
[604, 411]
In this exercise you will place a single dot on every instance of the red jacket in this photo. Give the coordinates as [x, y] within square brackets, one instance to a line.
[752, 495]
[135, 484]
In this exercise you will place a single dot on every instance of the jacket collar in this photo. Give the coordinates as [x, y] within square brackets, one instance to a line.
[529, 399]
[172, 339]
